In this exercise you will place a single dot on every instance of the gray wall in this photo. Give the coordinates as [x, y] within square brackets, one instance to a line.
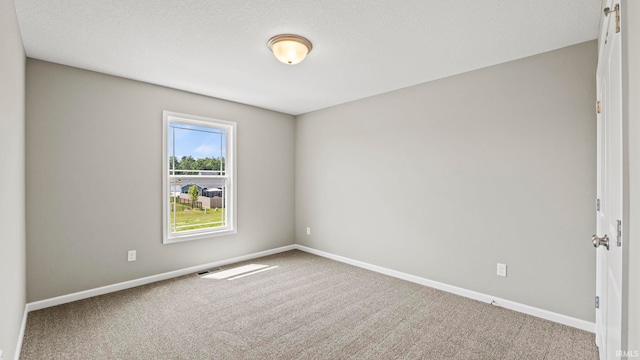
[631, 66]
[445, 179]
[90, 134]
[12, 207]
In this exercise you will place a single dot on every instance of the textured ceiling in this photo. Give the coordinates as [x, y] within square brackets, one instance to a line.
[360, 47]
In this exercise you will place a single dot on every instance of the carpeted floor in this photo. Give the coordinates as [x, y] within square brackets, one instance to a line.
[308, 307]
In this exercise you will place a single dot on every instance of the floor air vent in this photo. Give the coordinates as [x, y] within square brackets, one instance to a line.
[208, 271]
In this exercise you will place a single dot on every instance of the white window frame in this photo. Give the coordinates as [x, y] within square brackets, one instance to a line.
[169, 237]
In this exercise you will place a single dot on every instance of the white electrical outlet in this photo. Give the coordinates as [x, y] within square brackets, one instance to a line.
[308, 231]
[131, 255]
[0, 354]
[502, 270]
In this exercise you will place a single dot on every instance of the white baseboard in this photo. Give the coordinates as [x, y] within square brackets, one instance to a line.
[508, 304]
[42, 304]
[23, 326]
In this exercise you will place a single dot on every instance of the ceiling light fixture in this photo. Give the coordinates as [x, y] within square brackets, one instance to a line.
[289, 48]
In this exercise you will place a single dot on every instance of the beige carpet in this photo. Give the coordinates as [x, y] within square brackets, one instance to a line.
[307, 308]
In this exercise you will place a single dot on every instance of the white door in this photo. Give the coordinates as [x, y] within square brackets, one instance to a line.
[609, 188]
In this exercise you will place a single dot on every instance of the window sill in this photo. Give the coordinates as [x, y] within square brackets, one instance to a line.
[198, 236]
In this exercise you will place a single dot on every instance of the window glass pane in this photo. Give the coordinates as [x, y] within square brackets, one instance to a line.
[197, 203]
[193, 149]
[197, 177]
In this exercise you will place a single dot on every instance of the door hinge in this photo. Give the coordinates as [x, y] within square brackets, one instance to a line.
[619, 233]
[616, 9]
[598, 107]
[597, 204]
[597, 302]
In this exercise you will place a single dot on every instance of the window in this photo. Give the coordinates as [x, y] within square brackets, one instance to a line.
[198, 178]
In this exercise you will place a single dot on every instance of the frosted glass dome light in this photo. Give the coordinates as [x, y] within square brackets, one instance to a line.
[290, 49]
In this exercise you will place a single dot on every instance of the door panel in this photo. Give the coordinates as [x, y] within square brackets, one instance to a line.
[609, 187]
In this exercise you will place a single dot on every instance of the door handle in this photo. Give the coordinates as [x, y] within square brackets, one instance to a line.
[597, 241]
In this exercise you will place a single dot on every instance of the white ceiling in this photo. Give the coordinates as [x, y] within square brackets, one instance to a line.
[360, 47]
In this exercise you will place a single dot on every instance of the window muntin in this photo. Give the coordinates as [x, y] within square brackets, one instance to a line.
[198, 177]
